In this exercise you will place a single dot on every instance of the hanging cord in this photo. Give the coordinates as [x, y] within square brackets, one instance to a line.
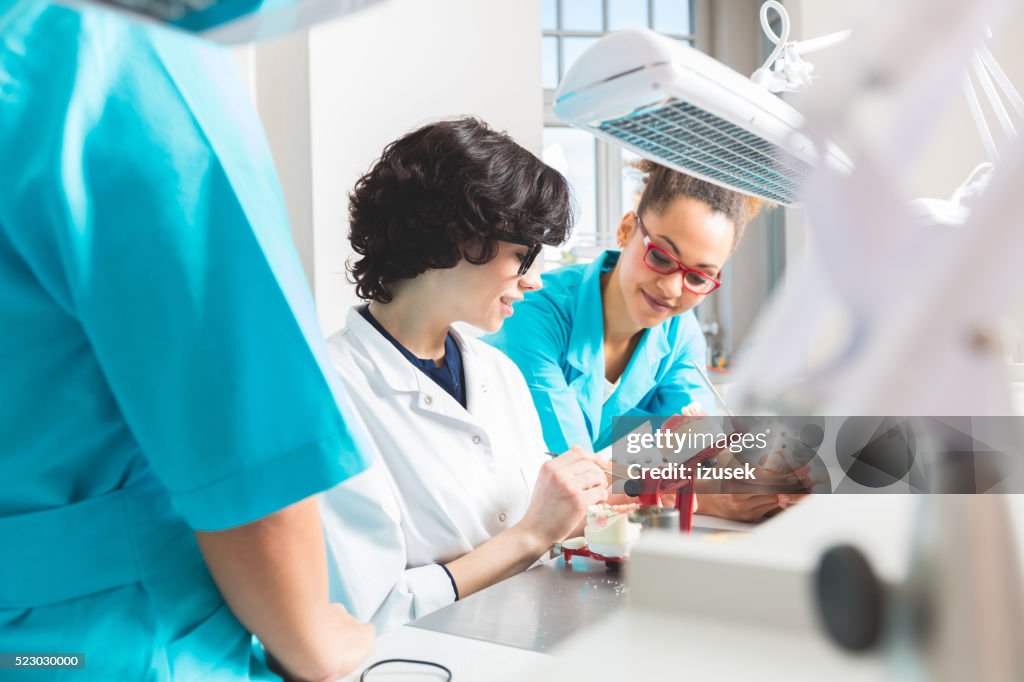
[974, 106]
[785, 68]
[999, 92]
[1004, 82]
[996, 87]
[779, 40]
[388, 661]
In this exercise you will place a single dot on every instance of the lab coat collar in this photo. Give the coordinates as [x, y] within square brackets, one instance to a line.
[586, 341]
[401, 376]
[397, 372]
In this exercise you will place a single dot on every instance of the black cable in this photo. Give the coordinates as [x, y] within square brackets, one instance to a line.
[387, 661]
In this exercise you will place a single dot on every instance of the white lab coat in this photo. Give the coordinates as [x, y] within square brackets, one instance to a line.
[445, 478]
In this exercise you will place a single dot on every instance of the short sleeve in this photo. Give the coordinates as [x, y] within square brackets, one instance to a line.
[164, 234]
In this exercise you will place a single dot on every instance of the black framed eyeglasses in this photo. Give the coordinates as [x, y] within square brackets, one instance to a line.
[531, 254]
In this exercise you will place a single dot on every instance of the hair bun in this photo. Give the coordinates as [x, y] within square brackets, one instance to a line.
[663, 185]
[756, 205]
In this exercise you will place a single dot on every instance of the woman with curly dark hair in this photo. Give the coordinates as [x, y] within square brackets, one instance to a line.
[446, 226]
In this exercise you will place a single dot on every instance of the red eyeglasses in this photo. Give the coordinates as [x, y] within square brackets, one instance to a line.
[664, 263]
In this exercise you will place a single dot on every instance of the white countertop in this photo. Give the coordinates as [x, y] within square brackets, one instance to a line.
[470, 660]
[721, 623]
[694, 634]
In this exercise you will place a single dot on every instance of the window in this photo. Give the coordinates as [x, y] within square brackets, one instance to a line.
[603, 185]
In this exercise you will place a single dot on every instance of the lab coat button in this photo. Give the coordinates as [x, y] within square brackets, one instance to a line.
[502, 516]
[427, 400]
[476, 440]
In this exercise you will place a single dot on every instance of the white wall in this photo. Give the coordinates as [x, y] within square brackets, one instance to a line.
[277, 76]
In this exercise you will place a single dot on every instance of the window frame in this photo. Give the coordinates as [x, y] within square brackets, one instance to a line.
[608, 157]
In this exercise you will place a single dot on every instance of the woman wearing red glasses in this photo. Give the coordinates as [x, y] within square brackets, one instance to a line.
[618, 337]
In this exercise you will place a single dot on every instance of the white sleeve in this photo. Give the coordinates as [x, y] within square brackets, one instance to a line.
[367, 559]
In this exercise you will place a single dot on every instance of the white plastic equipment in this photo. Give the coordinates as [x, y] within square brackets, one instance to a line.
[921, 308]
[785, 68]
[671, 103]
[922, 321]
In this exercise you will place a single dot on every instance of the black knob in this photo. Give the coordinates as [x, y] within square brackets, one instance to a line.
[851, 598]
[633, 487]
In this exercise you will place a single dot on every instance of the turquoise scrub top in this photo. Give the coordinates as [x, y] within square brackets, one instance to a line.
[161, 369]
[556, 337]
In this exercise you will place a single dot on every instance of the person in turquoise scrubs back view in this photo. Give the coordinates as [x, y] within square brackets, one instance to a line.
[165, 415]
[618, 337]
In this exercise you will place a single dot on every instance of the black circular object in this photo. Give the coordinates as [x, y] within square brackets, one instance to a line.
[812, 435]
[851, 599]
[409, 661]
[633, 487]
[876, 451]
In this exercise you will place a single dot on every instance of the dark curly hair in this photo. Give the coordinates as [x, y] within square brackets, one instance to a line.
[439, 194]
[663, 185]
